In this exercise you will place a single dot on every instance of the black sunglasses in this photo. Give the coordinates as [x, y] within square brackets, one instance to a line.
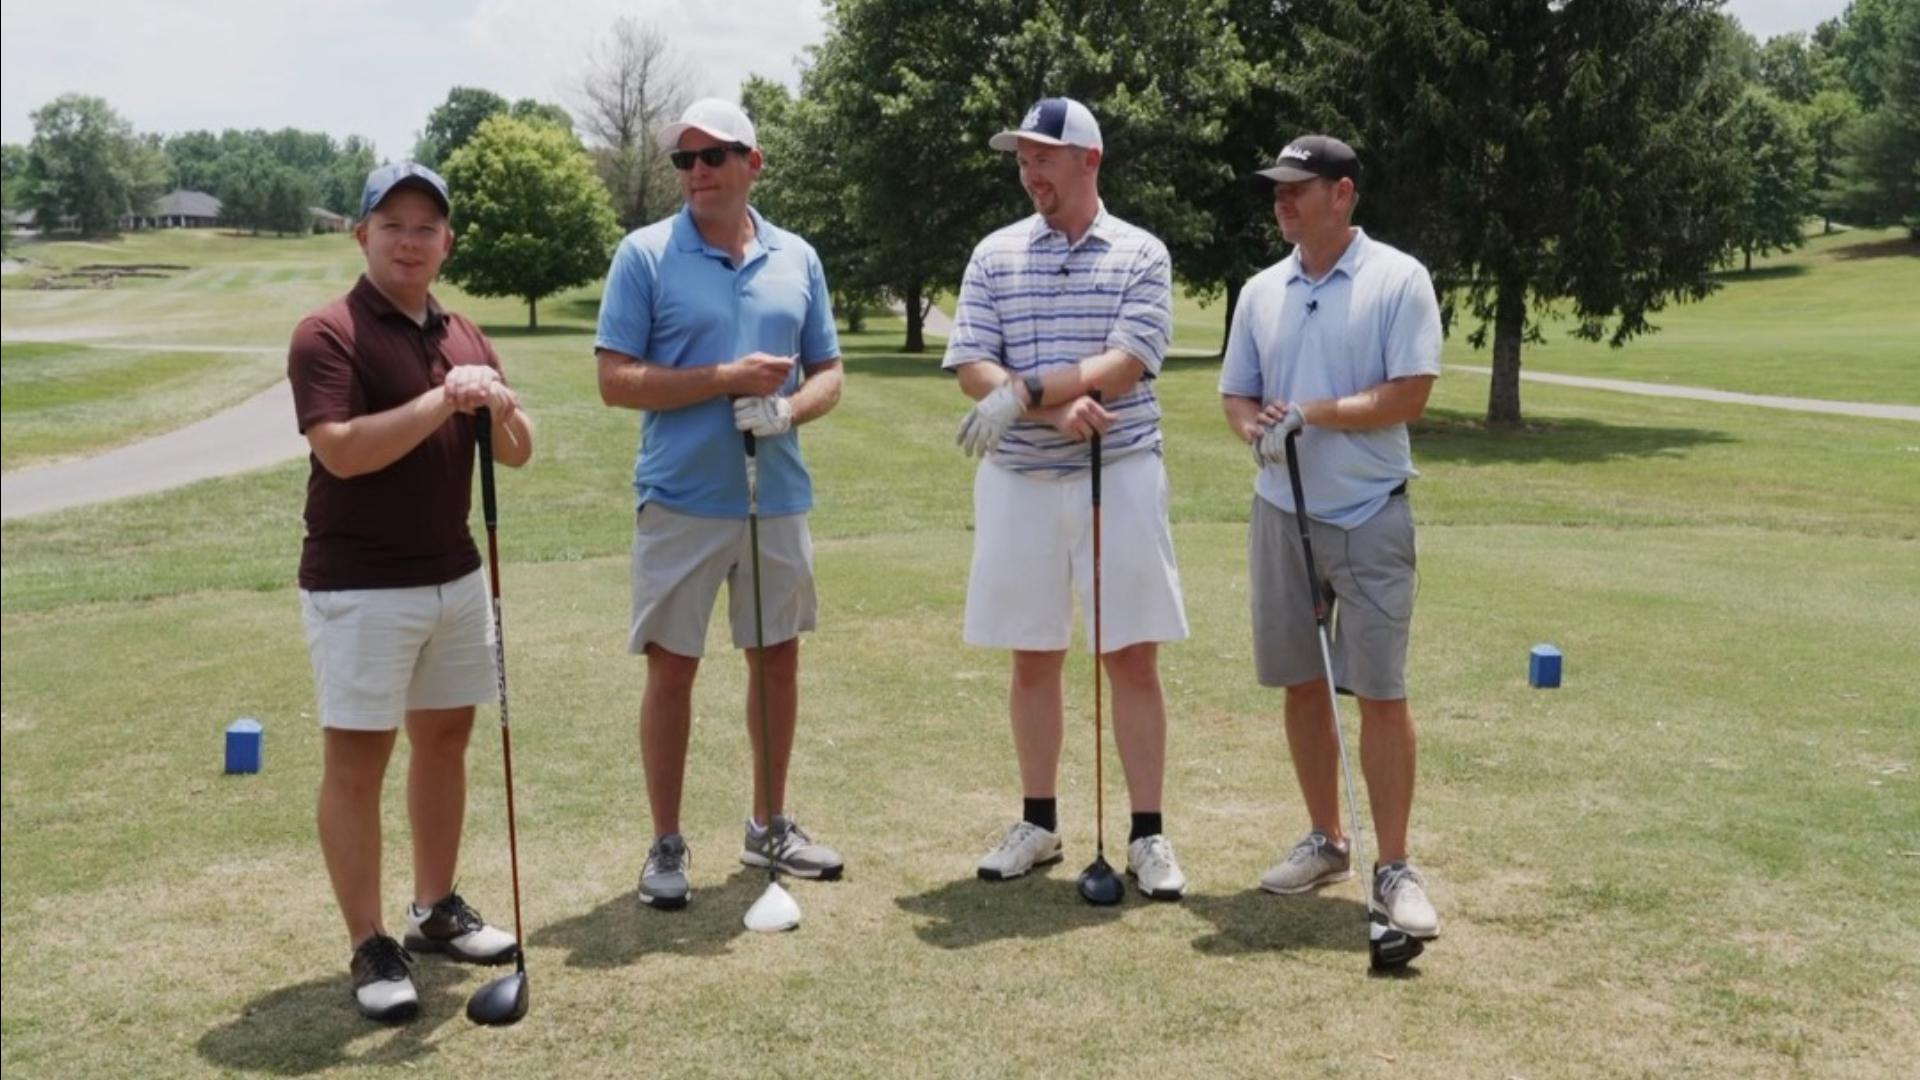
[713, 156]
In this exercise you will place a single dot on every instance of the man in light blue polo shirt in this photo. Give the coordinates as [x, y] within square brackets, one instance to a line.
[1340, 342]
[704, 317]
[1053, 309]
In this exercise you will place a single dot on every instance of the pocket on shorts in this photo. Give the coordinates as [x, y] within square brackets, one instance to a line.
[1382, 560]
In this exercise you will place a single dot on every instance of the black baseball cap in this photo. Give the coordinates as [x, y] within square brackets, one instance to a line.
[1311, 157]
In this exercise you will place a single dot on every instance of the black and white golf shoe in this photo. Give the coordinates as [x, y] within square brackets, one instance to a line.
[383, 980]
[1400, 918]
[452, 927]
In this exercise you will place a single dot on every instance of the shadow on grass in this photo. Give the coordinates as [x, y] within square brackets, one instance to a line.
[1257, 922]
[888, 362]
[969, 912]
[1765, 273]
[1879, 249]
[314, 1025]
[1459, 437]
[522, 330]
[622, 930]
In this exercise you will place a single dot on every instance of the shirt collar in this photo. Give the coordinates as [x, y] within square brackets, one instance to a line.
[686, 234]
[1349, 263]
[366, 292]
[1100, 229]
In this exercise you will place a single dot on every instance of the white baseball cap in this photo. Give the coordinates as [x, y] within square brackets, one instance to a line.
[1055, 121]
[718, 117]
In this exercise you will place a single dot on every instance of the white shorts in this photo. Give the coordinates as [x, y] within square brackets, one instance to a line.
[379, 652]
[1033, 550]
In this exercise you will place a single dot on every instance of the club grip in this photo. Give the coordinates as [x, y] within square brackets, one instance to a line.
[752, 443]
[1094, 444]
[483, 436]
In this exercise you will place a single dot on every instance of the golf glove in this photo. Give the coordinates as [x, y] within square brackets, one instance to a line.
[992, 415]
[764, 416]
[1271, 447]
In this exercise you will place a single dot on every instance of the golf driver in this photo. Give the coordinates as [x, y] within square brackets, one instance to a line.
[1387, 948]
[775, 910]
[502, 1000]
[1098, 883]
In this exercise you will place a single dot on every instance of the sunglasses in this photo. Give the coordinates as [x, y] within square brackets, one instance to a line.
[712, 157]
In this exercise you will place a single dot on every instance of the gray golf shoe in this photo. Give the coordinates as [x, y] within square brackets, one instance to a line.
[788, 847]
[663, 879]
[1315, 861]
[1400, 892]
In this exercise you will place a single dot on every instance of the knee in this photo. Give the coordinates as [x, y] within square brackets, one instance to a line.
[783, 661]
[440, 733]
[1135, 667]
[1033, 670]
[671, 673]
[1308, 694]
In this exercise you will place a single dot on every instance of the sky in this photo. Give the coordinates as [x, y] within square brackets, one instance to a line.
[364, 67]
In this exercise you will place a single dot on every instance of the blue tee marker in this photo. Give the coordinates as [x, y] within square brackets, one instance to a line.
[243, 745]
[1543, 667]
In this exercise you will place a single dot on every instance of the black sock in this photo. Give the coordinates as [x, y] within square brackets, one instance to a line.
[1145, 825]
[1044, 813]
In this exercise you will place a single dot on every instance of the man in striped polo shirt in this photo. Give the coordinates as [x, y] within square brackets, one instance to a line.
[1054, 308]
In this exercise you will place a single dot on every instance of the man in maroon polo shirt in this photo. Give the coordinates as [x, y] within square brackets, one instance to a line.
[386, 384]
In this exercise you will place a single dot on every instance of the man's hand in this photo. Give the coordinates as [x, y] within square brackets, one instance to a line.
[764, 416]
[757, 375]
[992, 415]
[1081, 419]
[1278, 420]
[470, 386]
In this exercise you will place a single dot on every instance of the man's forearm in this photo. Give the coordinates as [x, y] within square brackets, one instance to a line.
[367, 444]
[819, 393]
[1398, 401]
[630, 383]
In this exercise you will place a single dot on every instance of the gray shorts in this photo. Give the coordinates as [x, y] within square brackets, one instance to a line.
[1371, 572]
[680, 560]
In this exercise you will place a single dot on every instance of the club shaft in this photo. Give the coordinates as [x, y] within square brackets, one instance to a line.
[1326, 649]
[760, 642]
[490, 511]
[1099, 763]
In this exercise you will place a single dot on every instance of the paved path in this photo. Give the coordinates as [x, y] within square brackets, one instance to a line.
[253, 434]
[1842, 408]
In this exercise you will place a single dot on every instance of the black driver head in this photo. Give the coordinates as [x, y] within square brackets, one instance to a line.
[1389, 949]
[1099, 885]
[502, 1001]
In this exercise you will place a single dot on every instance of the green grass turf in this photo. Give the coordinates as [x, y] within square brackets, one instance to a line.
[1690, 860]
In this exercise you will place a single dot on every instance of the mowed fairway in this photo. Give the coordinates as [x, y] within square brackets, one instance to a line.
[1697, 858]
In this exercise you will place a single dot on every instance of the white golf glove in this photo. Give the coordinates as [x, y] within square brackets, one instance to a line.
[992, 415]
[764, 416]
[1271, 447]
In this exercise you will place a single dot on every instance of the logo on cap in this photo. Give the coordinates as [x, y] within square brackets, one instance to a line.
[1032, 119]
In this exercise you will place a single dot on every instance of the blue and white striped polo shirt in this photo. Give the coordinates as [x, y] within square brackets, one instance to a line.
[1031, 301]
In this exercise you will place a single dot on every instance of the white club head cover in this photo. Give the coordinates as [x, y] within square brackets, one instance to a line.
[774, 912]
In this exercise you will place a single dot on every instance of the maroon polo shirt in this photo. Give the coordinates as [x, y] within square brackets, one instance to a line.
[405, 525]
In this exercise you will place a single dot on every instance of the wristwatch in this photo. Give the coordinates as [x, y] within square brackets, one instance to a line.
[1035, 389]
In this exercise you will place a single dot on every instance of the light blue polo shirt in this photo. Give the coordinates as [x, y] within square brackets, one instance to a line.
[1372, 318]
[675, 300]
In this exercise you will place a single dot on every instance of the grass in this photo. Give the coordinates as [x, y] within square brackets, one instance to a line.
[1690, 860]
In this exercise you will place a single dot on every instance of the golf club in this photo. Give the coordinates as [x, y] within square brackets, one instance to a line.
[502, 1000]
[1387, 948]
[1098, 883]
[775, 910]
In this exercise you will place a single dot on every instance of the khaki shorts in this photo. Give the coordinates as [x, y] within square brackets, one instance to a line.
[1371, 570]
[1033, 552]
[679, 562]
[378, 653]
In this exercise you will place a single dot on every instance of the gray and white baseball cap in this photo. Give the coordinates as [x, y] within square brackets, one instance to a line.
[1055, 121]
[718, 117]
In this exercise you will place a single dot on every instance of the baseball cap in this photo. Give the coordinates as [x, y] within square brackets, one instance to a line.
[1313, 157]
[718, 117]
[1055, 121]
[382, 181]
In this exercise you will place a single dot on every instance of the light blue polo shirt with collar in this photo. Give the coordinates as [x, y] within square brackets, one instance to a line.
[675, 300]
[1372, 318]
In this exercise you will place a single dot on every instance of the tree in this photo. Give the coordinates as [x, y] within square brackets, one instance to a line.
[1540, 154]
[341, 185]
[245, 187]
[288, 201]
[531, 216]
[1824, 119]
[1878, 179]
[1787, 68]
[457, 119]
[632, 88]
[194, 160]
[1778, 175]
[13, 176]
[86, 167]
